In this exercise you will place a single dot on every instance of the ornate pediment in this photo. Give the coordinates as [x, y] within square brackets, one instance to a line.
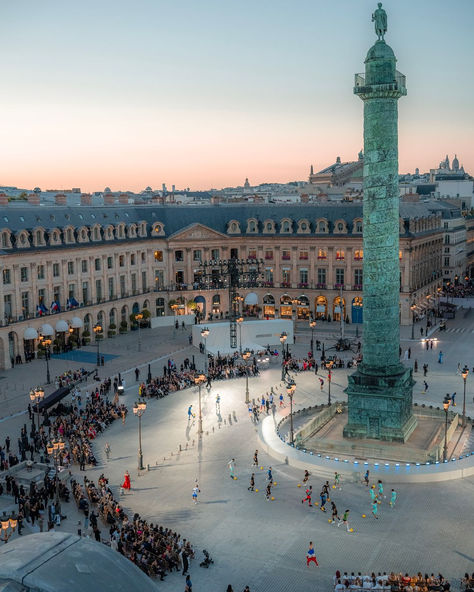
[197, 231]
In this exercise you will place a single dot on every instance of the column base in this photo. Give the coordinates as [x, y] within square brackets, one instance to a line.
[380, 407]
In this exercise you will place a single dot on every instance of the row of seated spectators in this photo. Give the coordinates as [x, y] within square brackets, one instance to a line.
[394, 582]
[71, 377]
[155, 550]
[467, 583]
[219, 368]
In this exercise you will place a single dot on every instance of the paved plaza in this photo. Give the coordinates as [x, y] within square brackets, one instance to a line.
[253, 541]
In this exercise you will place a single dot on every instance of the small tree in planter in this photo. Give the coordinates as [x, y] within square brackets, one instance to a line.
[329, 318]
[86, 336]
[123, 327]
[112, 330]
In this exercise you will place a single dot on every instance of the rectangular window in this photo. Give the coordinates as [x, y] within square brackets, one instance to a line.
[359, 255]
[252, 253]
[134, 283]
[322, 254]
[215, 254]
[144, 286]
[110, 262]
[358, 278]
[7, 305]
[446, 261]
[303, 276]
[41, 272]
[269, 275]
[340, 255]
[197, 255]
[158, 255]
[178, 256]
[111, 288]
[285, 255]
[72, 291]
[70, 267]
[41, 294]
[321, 276]
[339, 276]
[132, 259]
[24, 274]
[159, 279]
[98, 290]
[97, 264]
[143, 256]
[179, 277]
[286, 276]
[85, 292]
[122, 286]
[304, 255]
[121, 261]
[268, 254]
[6, 276]
[84, 266]
[55, 269]
[57, 294]
[234, 253]
[25, 303]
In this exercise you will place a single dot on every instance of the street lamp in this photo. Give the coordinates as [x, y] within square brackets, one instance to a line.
[290, 389]
[464, 374]
[446, 403]
[138, 318]
[413, 308]
[312, 324]
[46, 343]
[8, 525]
[239, 321]
[138, 410]
[36, 396]
[204, 335]
[54, 449]
[199, 379]
[283, 338]
[329, 386]
[245, 356]
[98, 331]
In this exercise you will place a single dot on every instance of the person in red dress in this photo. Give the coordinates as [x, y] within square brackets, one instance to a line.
[126, 483]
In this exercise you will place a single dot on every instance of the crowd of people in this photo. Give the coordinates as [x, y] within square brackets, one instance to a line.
[393, 582]
[176, 379]
[467, 583]
[154, 549]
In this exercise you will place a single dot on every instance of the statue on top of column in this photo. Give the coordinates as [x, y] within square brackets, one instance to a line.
[380, 18]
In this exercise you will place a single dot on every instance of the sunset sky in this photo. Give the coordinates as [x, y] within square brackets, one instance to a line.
[203, 93]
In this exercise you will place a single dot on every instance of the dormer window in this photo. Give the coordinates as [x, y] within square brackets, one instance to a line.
[340, 227]
[233, 227]
[322, 226]
[286, 226]
[252, 226]
[358, 226]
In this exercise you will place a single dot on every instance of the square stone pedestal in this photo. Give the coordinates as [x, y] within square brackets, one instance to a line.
[380, 407]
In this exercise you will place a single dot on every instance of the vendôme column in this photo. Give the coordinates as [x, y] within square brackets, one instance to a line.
[380, 392]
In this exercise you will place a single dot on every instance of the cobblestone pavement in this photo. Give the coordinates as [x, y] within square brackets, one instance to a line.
[263, 543]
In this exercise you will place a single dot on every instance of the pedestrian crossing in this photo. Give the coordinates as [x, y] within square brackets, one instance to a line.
[458, 330]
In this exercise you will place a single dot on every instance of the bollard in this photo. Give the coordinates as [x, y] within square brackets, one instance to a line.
[207, 433]
[224, 421]
[148, 467]
[180, 447]
[193, 442]
[212, 429]
[171, 454]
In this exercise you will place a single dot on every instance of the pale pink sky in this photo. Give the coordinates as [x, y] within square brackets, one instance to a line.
[129, 95]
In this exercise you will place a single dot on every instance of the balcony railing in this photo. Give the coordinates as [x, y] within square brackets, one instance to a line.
[286, 257]
[338, 286]
[357, 287]
[321, 286]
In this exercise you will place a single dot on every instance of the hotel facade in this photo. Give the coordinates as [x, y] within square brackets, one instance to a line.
[65, 269]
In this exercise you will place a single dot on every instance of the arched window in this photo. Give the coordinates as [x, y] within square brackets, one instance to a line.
[286, 226]
[252, 226]
[322, 226]
[39, 237]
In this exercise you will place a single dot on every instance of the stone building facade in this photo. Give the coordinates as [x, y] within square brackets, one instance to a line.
[86, 264]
